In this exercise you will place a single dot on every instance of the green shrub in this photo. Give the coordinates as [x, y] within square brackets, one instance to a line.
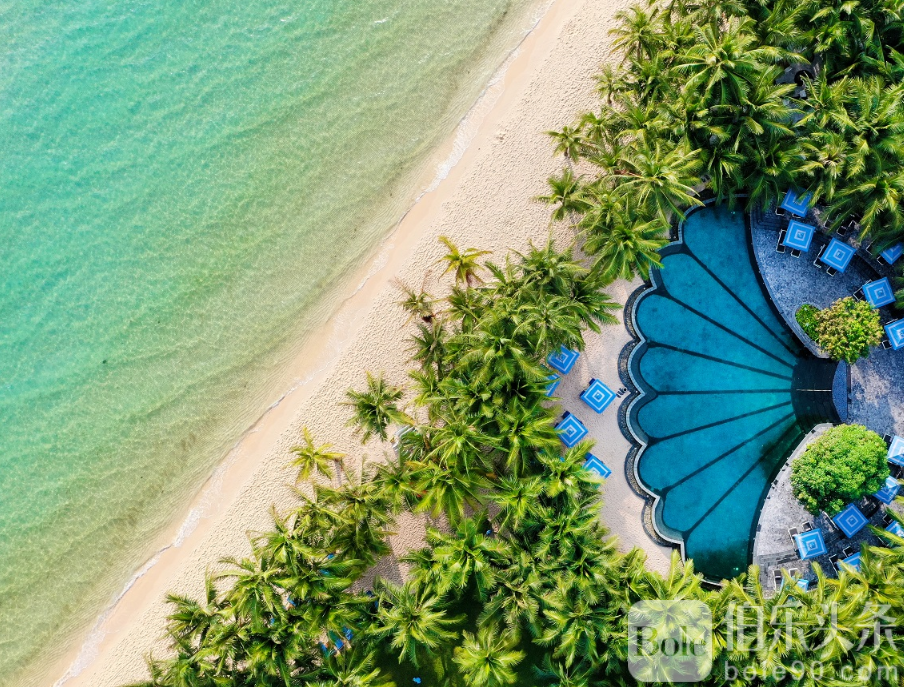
[806, 318]
[847, 329]
[844, 464]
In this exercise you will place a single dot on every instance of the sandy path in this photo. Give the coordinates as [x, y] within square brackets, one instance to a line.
[484, 202]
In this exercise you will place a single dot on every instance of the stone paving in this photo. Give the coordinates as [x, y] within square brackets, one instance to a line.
[876, 393]
[773, 548]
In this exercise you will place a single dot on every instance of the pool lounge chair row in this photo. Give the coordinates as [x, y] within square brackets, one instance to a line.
[793, 531]
[778, 579]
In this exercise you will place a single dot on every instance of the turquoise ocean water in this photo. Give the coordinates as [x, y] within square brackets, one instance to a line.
[181, 186]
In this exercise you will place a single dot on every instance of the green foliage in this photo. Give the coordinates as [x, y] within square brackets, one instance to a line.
[695, 107]
[488, 659]
[311, 459]
[539, 595]
[844, 464]
[848, 329]
[375, 408]
[806, 318]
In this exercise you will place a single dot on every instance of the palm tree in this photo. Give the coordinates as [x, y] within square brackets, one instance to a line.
[517, 498]
[577, 628]
[877, 200]
[723, 165]
[429, 345]
[762, 113]
[469, 557]
[255, 593]
[564, 475]
[354, 669]
[565, 524]
[363, 511]
[467, 305]
[416, 303]
[552, 271]
[542, 324]
[833, 27]
[717, 12]
[778, 23]
[495, 355]
[311, 459]
[772, 167]
[558, 674]
[462, 264]
[629, 245]
[569, 142]
[188, 668]
[565, 195]
[637, 33]
[634, 120]
[723, 63]
[875, 115]
[826, 105]
[593, 306]
[158, 674]
[375, 408]
[307, 572]
[193, 620]
[827, 155]
[487, 659]
[271, 654]
[659, 179]
[522, 432]
[515, 603]
[414, 622]
[458, 442]
[393, 482]
[446, 490]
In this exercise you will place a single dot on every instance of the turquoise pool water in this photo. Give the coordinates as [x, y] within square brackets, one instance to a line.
[728, 391]
[182, 186]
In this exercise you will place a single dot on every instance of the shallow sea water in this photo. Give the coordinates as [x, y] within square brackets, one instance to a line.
[181, 186]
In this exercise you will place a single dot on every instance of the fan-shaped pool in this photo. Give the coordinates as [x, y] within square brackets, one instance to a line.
[727, 391]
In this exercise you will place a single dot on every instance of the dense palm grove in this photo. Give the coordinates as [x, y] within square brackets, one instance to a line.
[695, 109]
[518, 582]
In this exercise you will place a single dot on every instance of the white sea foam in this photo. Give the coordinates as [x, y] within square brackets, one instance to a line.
[465, 133]
[470, 123]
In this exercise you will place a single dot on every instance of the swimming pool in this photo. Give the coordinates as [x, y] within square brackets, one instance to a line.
[726, 392]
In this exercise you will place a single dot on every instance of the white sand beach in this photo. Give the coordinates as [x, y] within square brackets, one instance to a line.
[484, 202]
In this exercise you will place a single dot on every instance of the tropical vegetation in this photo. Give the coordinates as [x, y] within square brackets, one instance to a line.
[518, 581]
[738, 101]
[806, 318]
[846, 330]
[841, 466]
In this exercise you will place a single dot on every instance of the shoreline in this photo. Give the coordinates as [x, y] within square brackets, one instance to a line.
[365, 329]
[449, 154]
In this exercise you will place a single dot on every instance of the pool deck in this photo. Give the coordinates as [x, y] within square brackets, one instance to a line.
[773, 548]
[624, 511]
[876, 392]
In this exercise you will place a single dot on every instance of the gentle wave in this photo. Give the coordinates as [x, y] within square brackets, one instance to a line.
[170, 195]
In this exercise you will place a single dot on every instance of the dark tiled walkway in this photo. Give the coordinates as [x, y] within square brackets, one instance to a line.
[876, 397]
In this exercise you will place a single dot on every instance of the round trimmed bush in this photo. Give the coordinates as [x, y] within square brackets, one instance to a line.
[847, 329]
[841, 466]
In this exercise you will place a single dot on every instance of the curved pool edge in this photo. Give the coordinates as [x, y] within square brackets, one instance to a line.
[842, 386]
[640, 394]
[637, 393]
